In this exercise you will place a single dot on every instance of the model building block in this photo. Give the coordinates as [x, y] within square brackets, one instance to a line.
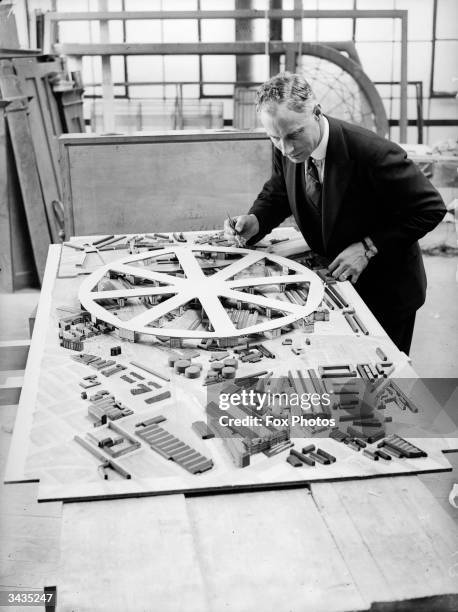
[303, 458]
[158, 398]
[294, 461]
[152, 421]
[192, 371]
[127, 334]
[110, 371]
[319, 458]
[100, 454]
[170, 447]
[202, 430]
[326, 455]
[141, 388]
[137, 376]
[74, 345]
[180, 365]
[146, 368]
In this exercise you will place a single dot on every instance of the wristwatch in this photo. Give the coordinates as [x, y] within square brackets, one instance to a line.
[369, 248]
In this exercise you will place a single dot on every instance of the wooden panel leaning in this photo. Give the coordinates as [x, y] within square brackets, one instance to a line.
[17, 119]
[17, 267]
[120, 184]
[29, 181]
[44, 126]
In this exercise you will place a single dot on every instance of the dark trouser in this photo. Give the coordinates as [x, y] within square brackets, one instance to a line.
[399, 330]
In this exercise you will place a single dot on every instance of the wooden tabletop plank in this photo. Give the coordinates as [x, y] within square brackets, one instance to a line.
[132, 554]
[269, 551]
[361, 564]
[29, 536]
[409, 538]
[438, 525]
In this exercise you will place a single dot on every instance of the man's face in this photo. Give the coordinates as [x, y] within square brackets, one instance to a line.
[295, 134]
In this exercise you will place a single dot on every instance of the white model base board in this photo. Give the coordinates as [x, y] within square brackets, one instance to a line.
[68, 472]
[51, 412]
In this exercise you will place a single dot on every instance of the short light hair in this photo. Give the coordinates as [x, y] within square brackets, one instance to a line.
[288, 88]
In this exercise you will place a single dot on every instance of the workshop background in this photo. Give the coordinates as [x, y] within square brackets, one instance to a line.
[396, 73]
[68, 68]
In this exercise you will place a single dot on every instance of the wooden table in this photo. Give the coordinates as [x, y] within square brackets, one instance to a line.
[326, 546]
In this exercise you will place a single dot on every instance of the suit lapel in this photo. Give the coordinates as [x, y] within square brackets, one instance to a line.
[337, 175]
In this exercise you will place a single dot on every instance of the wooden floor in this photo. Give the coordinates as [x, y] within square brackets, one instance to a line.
[30, 533]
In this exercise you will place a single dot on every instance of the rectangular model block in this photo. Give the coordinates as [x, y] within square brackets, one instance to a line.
[201, 429]
[157, 398]
[170, 447]
[127, 334]
[294, 461]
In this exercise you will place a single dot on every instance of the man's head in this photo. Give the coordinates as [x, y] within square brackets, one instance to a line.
[290, 115]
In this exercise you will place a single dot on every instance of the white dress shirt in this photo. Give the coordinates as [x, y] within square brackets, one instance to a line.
[319, 154]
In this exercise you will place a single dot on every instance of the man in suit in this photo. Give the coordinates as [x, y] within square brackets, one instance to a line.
[355, 196]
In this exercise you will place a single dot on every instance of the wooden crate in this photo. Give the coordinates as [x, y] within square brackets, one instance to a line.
[122, 184]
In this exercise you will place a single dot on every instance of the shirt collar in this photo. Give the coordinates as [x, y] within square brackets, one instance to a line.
[320, 152]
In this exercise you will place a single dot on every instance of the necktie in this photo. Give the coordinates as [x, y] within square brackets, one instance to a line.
[312, 184]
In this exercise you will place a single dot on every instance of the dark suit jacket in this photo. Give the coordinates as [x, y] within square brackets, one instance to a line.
[370, 189]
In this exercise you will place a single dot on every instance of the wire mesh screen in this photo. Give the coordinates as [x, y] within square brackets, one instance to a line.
[337, 91]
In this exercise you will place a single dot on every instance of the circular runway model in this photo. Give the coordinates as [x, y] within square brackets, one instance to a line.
[162, 285]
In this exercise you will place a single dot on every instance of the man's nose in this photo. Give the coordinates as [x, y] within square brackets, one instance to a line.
[286, 147]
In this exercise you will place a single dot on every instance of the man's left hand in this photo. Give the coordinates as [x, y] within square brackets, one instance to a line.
[350, 263]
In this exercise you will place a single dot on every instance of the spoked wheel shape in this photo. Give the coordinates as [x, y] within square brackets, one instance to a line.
[160, 284]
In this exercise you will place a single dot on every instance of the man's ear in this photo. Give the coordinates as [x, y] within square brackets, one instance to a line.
[317, 111]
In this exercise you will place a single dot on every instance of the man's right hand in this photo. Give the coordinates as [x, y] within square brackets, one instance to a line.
[246, 227]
